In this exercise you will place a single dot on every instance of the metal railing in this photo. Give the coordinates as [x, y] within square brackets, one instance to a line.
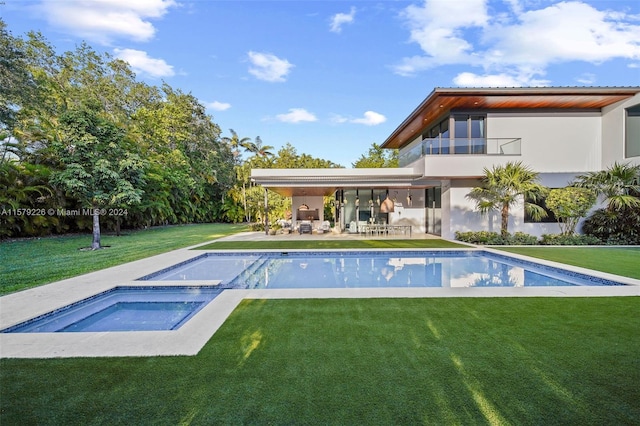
[461, 146]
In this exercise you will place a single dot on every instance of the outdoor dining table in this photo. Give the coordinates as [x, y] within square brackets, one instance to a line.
[386, 229]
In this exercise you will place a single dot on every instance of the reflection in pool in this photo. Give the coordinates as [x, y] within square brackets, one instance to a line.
[360, 269]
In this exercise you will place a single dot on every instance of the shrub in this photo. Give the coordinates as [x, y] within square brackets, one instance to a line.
[569, 240]
[480, 237]
[619, 226]
[569, 205]
[256, 227]
[495, 239]
[522, 239]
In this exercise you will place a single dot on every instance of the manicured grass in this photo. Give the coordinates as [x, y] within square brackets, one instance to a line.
[329, 244]
[623, 261]
[32, 262]
[362, 361]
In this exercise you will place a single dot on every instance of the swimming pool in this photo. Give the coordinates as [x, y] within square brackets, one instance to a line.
[367, 269]
[124, 309]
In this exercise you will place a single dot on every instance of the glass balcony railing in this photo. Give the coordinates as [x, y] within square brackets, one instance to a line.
[466, 146]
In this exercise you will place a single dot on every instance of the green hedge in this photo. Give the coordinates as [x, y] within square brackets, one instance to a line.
[522, 239]
[496, 239]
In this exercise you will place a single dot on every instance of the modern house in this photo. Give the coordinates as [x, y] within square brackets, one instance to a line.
[451, 137]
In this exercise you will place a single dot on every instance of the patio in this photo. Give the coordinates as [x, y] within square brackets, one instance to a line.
[261, 236]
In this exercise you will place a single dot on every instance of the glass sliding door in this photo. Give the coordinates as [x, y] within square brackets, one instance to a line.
[433, 210]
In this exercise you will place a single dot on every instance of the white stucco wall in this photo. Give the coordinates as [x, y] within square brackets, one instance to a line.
[613, 133]
[461, 214]
[314, 202]
[552, 142]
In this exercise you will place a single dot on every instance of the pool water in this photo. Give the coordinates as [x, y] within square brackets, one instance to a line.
[152, 308]
[124, 309]
[380, 269]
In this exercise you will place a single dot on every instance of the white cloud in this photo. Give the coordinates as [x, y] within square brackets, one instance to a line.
[103, 20]
[217, 106]
[141, 63]
[297, 115]
[371, 118]
[515, 47]
[339, 19]
[468, 79]
[587, 79]
[338, 119]
[437, 27]
[268, 67]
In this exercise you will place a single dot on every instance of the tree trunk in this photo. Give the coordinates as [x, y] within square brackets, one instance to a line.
[95, 245]
[266, 212]
[505, 220]
[244, 203]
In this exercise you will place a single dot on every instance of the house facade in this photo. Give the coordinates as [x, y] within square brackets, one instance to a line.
[453, 135]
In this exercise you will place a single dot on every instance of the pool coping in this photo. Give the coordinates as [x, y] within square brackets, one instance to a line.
[193, 335]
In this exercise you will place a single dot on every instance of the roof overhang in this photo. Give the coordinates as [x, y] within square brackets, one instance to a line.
[308, 182]
[442, 101]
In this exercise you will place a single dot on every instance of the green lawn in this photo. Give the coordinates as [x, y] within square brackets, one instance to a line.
[362, 361]
[32, 262]
[343, 361]
[623, 261]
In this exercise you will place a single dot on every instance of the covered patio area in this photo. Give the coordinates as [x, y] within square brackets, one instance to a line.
[343, 236]
[366, 203]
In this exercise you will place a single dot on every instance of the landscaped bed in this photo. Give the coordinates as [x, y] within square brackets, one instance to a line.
[362, 361]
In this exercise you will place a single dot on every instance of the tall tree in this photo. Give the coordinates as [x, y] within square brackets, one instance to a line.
[506, 186]
[16, 83]
[260, 149]
[377, 158]
[235, 143]
[98, 170]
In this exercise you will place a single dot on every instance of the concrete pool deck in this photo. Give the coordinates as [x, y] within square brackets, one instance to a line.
[193, 335]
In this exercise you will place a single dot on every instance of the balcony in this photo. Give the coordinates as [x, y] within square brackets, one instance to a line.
[461, 146]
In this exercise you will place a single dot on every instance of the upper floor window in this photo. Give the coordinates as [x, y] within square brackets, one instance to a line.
[632, 130]
[457, 134]
[469, 134]
[438, 138]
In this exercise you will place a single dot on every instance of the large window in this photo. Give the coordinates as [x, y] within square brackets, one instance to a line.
[469, 134]
[438, 138]
[457, 134]
[632, 130]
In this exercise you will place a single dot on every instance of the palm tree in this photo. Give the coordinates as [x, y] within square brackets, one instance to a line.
[262, 150]
[620, 184]
[504, 186]
[236, 143]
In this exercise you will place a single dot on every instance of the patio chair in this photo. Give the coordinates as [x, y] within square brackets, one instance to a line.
[305, 227]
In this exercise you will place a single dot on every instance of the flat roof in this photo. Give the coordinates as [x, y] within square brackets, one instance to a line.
[441, 101]
[289, 182]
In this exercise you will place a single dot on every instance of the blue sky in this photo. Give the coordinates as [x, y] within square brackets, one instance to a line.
[332, 77]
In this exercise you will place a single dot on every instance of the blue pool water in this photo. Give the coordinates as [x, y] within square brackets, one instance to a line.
[124, 309]
[374, 269]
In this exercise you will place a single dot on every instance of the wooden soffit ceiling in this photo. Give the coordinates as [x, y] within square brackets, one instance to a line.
[442, 101]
